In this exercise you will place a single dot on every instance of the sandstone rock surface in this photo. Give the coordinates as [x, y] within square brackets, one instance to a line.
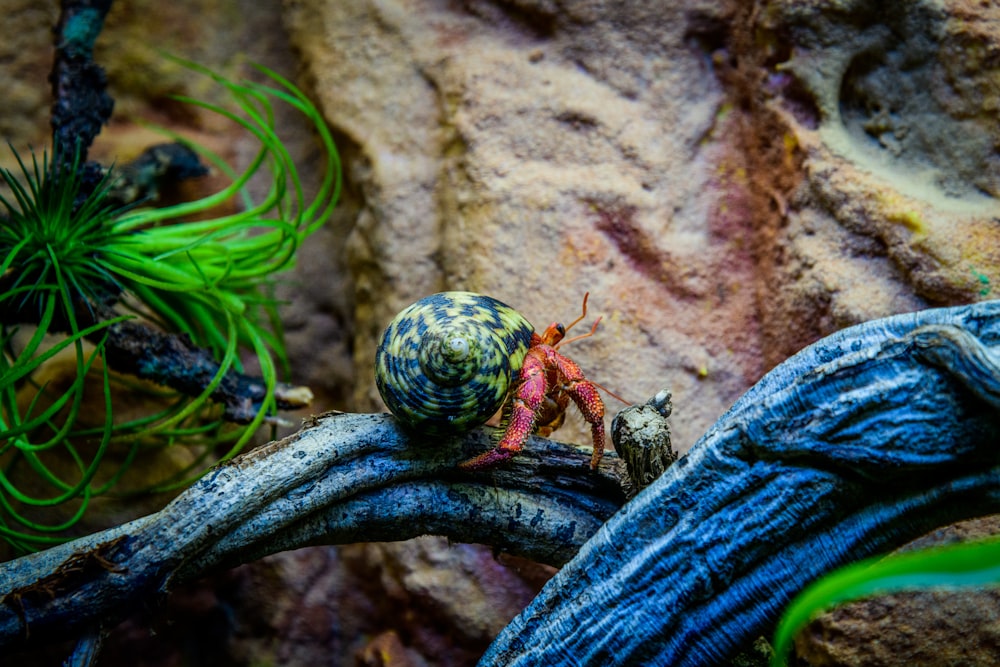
[730, 181]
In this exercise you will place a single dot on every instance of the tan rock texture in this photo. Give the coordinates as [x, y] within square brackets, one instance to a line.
[729, 180]
[918, 628]
[26, 64]
[535, 152]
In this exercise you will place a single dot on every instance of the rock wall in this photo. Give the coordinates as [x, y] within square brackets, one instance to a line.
[730, 181]
[534, 153]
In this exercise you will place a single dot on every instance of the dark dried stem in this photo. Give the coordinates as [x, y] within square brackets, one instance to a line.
[173, 360]
[81, 105]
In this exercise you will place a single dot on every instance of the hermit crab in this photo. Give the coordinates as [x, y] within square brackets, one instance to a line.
[450, 361]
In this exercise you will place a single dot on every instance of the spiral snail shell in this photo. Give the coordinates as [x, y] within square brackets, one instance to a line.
[445, 363]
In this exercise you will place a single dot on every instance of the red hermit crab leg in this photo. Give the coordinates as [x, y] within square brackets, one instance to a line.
[525, 404]
[584, 393]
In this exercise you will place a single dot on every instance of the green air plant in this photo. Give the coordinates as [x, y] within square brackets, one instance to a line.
[67, 263]
[966, 564]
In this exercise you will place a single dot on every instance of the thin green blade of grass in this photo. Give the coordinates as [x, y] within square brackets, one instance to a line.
[967, 564]
[211, 279]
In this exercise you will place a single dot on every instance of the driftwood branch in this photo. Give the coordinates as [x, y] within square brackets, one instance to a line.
[347, 478]
[858, 444]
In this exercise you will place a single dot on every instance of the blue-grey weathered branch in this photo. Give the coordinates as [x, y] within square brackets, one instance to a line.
[854, 446]
[859, 443]
[347, 478]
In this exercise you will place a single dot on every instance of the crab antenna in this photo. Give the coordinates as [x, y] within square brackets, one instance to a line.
[590, 333]
[610, 393]
[586, 335]
[583, 315]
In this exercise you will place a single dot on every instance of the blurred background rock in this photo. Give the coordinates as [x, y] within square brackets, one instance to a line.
[730, 181]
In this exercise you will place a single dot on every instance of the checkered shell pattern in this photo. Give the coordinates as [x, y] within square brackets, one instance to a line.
[446, 363]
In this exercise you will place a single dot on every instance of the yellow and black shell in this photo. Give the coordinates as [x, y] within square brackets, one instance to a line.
[446, 363]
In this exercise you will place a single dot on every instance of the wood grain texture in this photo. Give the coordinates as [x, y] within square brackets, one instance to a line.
[859, 443]
[346, 478]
